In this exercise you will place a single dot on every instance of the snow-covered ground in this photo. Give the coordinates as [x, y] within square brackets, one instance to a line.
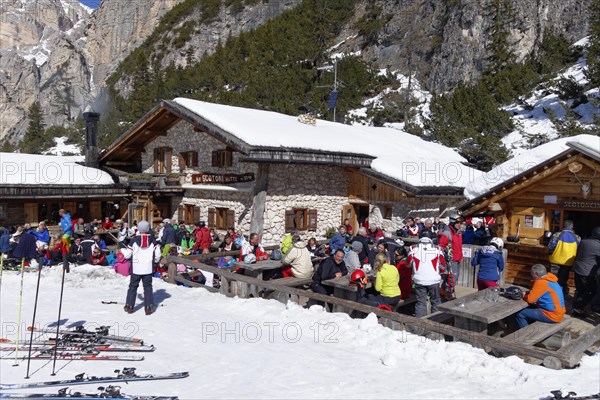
[254, 348]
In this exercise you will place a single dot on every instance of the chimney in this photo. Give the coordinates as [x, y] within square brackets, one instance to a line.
[91, 139]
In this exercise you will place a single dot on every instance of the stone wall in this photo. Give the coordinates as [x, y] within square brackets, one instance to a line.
[181, 138]
[240, 202]
[324, 188]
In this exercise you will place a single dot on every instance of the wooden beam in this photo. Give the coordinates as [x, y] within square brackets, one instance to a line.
[259, 202]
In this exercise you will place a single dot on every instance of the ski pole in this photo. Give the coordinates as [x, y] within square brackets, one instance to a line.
[37, 290]
[19, 313]
[62, 287]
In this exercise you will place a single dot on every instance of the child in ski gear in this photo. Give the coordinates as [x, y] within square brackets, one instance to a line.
[545, 296]
[143, 252]
[491, 263]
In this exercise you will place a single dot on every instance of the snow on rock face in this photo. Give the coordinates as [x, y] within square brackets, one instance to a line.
[30, 169]
[398, 154]
[525, 161]
[256, 348]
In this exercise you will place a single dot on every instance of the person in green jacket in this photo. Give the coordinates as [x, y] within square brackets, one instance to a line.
[288, 241]
[386, 283]
[187, 243]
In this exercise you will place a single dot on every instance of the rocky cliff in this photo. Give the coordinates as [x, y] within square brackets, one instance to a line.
[55, 52]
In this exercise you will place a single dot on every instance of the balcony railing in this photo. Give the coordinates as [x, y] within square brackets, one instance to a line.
[153, 181]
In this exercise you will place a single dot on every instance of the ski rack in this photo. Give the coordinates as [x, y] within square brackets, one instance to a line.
[567, 356]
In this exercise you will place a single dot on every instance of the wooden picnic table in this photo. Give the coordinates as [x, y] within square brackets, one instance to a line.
[343, 290]
[475, 312]
[256, 271]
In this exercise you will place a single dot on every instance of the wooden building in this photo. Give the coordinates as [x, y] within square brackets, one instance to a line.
[266, 172]
[556, 182]
[34, 187]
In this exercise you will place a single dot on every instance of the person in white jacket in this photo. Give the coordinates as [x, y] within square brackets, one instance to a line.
[426, 260]
[299, 260]
[144, 252]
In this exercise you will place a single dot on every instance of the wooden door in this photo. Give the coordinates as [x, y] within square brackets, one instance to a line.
[349, 214]
[31, 213]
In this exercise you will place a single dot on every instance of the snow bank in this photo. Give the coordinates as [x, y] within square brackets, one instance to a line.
[32, 169]
[525, 161]
[399, 155]
[255, 348]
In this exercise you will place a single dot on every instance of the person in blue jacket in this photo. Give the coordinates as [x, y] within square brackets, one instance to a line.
[67, 228]
[338, 240]
[41, 233]
[491, 263]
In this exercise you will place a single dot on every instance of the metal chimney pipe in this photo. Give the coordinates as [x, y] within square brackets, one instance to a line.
[91, 138]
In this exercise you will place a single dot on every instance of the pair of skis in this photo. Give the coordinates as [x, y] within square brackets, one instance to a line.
[124, 375]
[110, 392]
[101, 332]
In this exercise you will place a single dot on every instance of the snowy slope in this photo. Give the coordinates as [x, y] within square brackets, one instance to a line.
[254, 348]
[399, 155]
[516, 165]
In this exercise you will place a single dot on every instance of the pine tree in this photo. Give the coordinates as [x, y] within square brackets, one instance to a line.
[593, 59]
[35, 140]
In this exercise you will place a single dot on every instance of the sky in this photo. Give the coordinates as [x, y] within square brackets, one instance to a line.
[91, 3]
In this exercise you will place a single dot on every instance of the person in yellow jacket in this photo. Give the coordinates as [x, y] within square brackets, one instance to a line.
[562, 250]
[288, 241]
[386, 283]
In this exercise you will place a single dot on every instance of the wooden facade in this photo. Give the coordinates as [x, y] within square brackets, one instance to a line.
[538, 201]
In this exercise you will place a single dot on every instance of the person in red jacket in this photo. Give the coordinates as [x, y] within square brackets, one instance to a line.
[108, 224]
[405, 272]
[203, 238]
[451, 243]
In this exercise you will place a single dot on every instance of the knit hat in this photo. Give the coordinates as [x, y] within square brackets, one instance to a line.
[356, 246]
[166, 221]
[143, 227]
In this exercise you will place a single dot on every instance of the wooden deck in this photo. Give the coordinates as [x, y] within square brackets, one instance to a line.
[566, 354]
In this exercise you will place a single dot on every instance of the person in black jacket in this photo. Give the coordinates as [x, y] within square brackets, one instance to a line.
[331, 267]
[362, 238]
[87, 245]
[168, 237]
[585, 268]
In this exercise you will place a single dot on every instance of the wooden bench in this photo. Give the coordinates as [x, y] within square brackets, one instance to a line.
[537, 332]
[405, 302]
[292, 282]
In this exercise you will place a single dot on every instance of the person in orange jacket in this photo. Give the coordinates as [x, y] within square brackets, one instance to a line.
[546, 296]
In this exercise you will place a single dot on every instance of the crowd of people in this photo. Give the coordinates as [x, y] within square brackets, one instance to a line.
[430, 268]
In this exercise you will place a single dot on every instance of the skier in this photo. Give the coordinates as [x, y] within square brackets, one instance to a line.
[491, 263]
[144, 252]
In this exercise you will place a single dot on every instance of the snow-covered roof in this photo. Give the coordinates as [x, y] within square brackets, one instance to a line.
[526, 161]
[398, 155]
[32, 169]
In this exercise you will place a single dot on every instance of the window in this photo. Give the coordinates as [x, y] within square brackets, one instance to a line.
[162, 160]
[387, 212]
[188, 159]
[222, 158]
[188, 213]
[221, 218]
[302, 219]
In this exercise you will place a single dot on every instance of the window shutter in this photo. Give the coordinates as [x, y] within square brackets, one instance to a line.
[289, 220]
[169, 160]
[181, 213]
[215, 158]
[230, 218]
[228, 158]
[194, 159]
[211, 217]
[196, 214]
[182, 163]
[312, 219]
[156, 160]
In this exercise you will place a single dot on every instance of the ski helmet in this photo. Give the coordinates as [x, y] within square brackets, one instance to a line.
[426, 233]
[514, 293]
[358, 278]
[499, 243]
[455, 218]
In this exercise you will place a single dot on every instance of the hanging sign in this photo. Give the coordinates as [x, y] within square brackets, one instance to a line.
[581, 204]
[222, 178]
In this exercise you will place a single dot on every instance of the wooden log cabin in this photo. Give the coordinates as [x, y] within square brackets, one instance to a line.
[265, 172]
[34, 187]
[534, 194]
